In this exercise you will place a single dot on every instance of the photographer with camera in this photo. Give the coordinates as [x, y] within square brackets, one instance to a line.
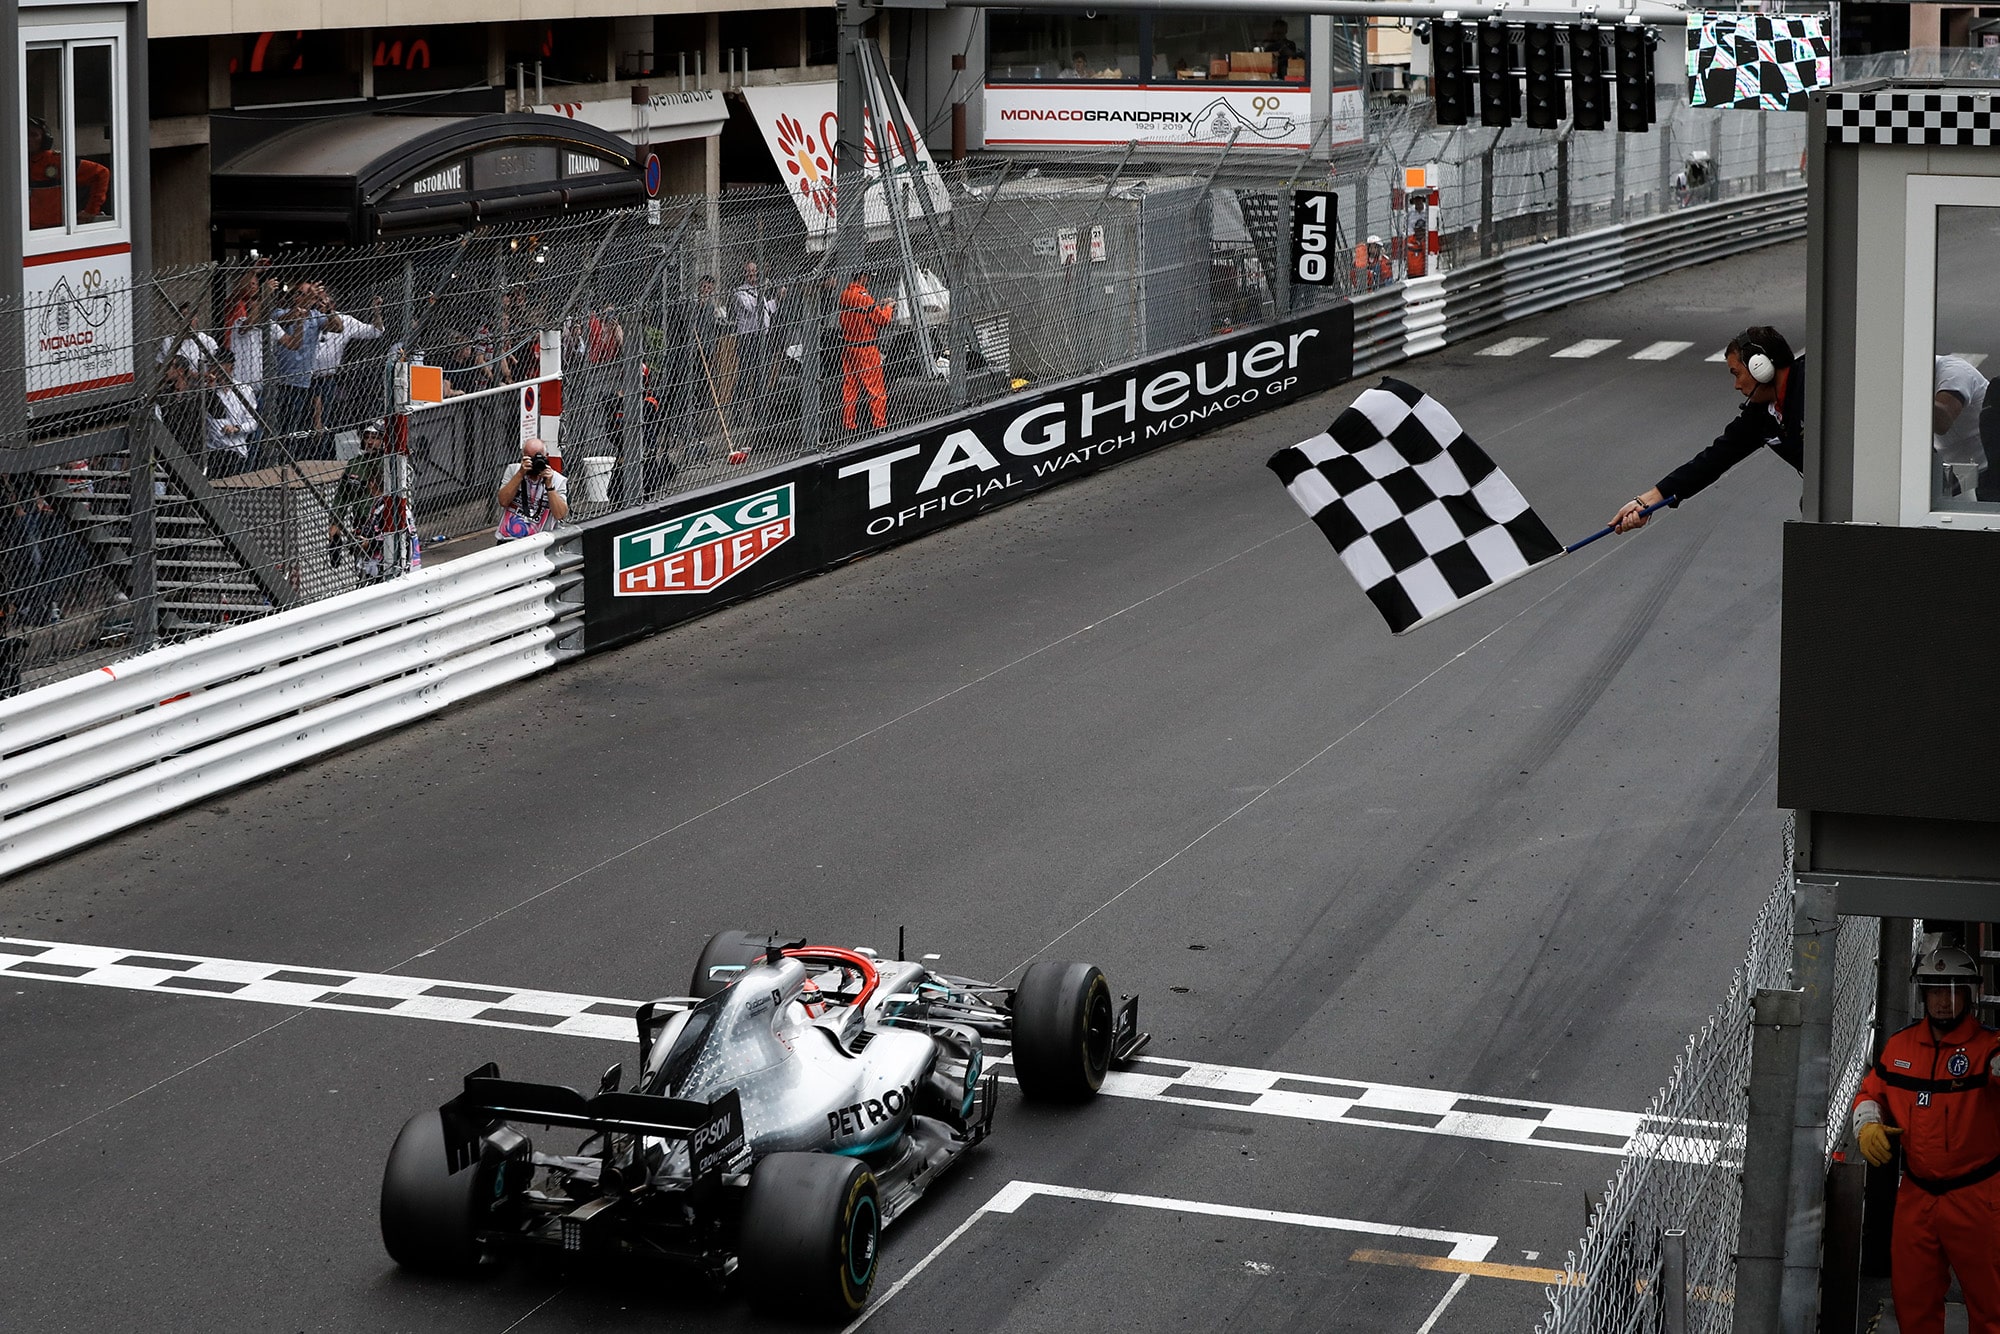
[534, 497]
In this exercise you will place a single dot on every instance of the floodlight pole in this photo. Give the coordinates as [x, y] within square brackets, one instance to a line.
[850, 174]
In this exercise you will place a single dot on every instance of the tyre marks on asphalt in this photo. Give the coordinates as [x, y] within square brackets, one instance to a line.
[1292, 1096]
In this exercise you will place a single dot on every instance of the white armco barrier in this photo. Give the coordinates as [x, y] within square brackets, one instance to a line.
[121, 745]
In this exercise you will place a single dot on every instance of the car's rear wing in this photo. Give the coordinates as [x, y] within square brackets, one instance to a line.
[713, 1130]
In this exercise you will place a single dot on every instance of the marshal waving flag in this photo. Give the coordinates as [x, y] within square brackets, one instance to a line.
[1421, 517]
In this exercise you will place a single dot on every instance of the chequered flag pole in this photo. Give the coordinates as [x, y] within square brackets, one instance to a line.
[1607, 530]
[1420, 515]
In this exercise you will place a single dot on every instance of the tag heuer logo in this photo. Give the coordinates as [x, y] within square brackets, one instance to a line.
[697, 552]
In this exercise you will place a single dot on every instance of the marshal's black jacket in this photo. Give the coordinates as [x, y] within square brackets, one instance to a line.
[1752, 429]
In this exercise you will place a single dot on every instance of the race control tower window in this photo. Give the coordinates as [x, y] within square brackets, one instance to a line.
[1046, 47]
[71, 150]
[1232, 47]
[1965, 336]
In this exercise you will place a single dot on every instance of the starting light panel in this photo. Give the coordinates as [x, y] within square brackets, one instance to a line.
[1451, 78]
[1588, 99]
[1487, 67]
[1499, 90]
[1545, 89]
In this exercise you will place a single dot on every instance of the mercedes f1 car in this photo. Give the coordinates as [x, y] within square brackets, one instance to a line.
[799, 1100]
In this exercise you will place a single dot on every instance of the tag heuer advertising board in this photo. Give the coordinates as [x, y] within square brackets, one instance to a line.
[695, 553]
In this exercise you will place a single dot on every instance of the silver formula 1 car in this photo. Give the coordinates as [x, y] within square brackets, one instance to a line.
[799, 1100]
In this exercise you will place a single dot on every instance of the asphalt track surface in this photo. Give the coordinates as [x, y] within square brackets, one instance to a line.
[1145, 720]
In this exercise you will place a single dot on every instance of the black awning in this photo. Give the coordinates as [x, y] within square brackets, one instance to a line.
[354, 179]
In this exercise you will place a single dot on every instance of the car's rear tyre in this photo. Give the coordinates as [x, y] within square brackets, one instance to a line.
[1063, 1025]
[730, 950]
[810, 1229]
[431, 1216]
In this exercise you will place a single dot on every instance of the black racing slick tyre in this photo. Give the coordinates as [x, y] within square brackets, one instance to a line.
[810, 1228]
[724, 954]
[430, 1215]
[1063, 1023]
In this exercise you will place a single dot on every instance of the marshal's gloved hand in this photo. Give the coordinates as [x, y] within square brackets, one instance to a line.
[1878, 1144]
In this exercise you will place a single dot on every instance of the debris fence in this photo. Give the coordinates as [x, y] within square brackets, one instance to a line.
[1684, 1171]
[232, 479]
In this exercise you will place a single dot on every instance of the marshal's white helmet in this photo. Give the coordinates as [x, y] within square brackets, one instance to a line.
[1947, 966]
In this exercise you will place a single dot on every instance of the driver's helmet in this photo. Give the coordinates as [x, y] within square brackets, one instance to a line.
[1948, 966]
[810, 997]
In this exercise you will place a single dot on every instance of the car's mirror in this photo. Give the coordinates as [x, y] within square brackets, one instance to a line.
[612, 1078]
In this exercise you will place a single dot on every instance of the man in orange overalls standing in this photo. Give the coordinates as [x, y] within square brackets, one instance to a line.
[861, 319]
[1937, 1088]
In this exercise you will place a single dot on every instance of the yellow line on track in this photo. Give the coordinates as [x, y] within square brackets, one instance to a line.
[1477, 1268]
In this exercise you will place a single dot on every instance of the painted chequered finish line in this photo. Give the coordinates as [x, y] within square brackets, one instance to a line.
[1186, 1083]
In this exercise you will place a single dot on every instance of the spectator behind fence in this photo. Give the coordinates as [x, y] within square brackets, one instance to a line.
[534, 498]
[752, 308]
[294, 345]
[692, 387]
[231, 427]
[42, 555]
[334, 336]
[246, 332]
[862, 318]
[360, 482]
[183, 362]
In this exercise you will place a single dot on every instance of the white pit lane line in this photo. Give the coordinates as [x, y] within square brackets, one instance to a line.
[1010, 1197]
[1300, 1097]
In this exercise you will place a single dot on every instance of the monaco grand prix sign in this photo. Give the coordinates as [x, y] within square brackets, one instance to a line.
[1272, 116]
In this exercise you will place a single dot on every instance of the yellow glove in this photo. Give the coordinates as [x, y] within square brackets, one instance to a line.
[1877, 1144]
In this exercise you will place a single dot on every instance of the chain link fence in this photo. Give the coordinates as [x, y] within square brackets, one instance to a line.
[238, 479]
[1684, 1171]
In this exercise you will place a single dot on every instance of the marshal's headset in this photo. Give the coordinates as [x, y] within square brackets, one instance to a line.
[1762, 362]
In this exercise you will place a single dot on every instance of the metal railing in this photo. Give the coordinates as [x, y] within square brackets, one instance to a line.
[106, 750]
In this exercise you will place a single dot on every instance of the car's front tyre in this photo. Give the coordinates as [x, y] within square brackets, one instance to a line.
[1064, 1022]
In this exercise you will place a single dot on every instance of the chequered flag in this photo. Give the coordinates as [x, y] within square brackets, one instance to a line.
[1420, 515]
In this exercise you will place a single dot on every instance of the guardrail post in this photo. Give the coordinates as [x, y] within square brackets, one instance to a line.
[1618, 178]
[631, 434]
[1562, 186]
[1715, 154]
[1763, 147]
[1486, 238]
[145, 568]
[1673, 1281]
[1665, 131]
[1815, 929]
[1777, 1017]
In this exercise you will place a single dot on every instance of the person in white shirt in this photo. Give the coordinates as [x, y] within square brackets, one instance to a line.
[1958, 392]
[232, 427]
[334, 336]
[189, 346]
